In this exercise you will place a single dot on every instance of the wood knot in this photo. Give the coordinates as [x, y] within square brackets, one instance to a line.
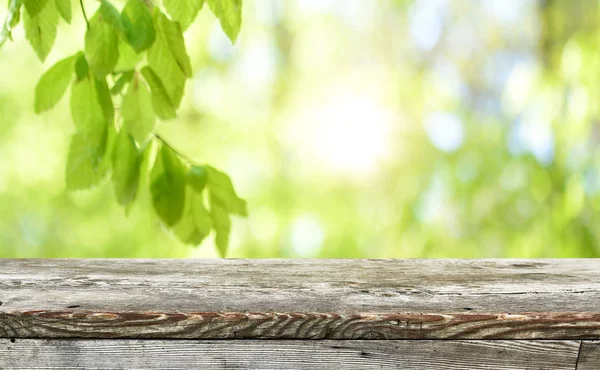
[372, 335]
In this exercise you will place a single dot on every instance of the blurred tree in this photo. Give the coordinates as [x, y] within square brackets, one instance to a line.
[425, 128]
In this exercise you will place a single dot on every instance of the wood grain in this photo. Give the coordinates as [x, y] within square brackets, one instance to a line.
[589, 356]
[281, 354]
[300, 299]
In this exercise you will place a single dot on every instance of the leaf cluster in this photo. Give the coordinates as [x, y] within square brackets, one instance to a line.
[134, 59]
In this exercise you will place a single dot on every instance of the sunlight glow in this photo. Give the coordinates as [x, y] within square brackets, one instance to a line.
[348, 133]
[307, 236]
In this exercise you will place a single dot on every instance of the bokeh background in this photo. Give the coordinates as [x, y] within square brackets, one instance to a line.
[354, 128]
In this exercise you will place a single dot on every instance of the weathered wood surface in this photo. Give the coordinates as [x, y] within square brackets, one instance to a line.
[282, 354]
[589, 356]
[301, 299]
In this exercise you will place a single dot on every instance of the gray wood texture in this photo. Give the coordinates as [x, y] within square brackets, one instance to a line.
[589, 356]
[300, 299]
[287, 354]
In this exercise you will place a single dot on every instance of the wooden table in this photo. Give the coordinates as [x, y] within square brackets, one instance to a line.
[289, 314]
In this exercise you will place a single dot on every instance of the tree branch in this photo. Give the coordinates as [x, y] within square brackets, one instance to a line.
[87, 22]
[183, 156]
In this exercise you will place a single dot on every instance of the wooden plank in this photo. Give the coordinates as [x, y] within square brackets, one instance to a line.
[589, 356]
[283, 354]
[301, 299]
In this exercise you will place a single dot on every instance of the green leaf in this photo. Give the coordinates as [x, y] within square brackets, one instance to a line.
[168, 57]
[111, 138]
[14, 13]
[136, 110]
[229, 13]
[183, 11]
[110, 15]
[81, 67]
[102, 42]
[196, 222]
[167, 186]
[11, 20]
[54, 82]
[128, 58]
[221, 189]
[171, 37]
[105, 100]
[34, 7]
[85, 167]
[121, 82]
[222, 225]
[126, 168]
[197, 177]
[64, 8]
[146, 150]
[223, 201]
[40, 30]
[161, 102]
[137, 22]
[88, 115]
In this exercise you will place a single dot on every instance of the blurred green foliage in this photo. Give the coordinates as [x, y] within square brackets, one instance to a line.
[426, 128]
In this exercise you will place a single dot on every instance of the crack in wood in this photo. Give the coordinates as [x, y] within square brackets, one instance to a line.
[578, 355]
